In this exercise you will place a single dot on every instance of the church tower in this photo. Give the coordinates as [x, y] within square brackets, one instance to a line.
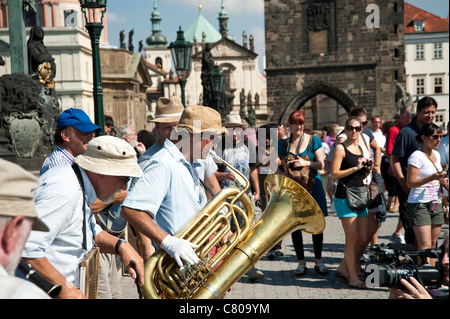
[157, 52]
[223, 23]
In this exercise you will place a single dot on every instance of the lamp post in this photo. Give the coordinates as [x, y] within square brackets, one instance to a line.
[94, 25]
[181, 54]
[216, 80]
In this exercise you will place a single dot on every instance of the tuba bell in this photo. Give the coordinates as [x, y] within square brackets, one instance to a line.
[290, 208]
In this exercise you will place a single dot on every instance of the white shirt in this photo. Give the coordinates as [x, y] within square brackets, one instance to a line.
[429, 191]
[59, 204]
[380, 139]
[12, 287]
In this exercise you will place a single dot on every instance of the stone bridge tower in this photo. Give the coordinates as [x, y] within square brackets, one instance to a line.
[344, 51]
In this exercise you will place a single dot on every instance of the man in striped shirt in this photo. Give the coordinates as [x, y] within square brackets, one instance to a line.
[74, 130]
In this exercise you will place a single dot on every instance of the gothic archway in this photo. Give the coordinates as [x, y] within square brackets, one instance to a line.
[318, 87]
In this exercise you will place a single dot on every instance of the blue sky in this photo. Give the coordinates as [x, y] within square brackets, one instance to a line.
[243, 15]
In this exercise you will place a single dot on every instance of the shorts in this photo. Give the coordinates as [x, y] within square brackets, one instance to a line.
[343, 210]
[419, 214]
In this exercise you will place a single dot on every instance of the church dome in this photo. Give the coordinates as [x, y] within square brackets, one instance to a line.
[199, 26]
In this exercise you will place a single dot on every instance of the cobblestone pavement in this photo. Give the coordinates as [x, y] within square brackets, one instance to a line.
[279, 281]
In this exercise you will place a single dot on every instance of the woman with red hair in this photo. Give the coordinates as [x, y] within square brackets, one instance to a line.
[306, 151]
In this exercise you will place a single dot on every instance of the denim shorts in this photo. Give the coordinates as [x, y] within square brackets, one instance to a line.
[420, 215]
[343, 210]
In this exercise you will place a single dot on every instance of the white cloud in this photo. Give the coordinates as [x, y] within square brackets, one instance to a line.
[114, 18]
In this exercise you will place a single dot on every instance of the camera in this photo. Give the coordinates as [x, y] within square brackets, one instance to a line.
[368, 163]
[388, 268]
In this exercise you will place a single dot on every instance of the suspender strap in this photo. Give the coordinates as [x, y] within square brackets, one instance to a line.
[77, 171]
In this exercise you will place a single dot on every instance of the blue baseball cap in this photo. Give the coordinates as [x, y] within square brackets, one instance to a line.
[78, 119]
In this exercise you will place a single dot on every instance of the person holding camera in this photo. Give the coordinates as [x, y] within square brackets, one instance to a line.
[351, 165]
[413, 289]
[426, 178]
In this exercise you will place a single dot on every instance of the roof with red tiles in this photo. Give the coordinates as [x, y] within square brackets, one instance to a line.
[432, 23]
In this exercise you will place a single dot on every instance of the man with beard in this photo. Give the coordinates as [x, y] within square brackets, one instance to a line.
[63, 201]
[127, 133]
[405, 144]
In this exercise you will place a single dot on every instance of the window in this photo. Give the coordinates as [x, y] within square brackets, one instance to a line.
[158, 62]
[437, 52]
[420, 86]
[420, 52]
[439, 118]
[438, 87]
[418, 26]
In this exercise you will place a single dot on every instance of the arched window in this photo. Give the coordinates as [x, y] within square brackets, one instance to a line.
[158, 62]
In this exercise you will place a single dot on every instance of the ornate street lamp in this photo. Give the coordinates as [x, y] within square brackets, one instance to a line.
[181, 54]
[94, 24]
[216, 79]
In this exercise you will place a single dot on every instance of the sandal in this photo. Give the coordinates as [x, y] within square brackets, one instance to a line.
[301, 270]
[321, 269]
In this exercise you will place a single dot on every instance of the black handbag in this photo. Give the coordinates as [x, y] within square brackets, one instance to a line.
[357, 197]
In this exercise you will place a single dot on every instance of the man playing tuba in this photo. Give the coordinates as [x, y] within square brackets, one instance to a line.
[167, 196]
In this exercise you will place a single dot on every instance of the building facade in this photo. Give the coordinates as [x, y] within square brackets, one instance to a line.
[427, 58]
[238, 62]
[325, 56]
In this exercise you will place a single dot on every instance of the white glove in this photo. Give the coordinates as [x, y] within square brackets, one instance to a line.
[179, 248]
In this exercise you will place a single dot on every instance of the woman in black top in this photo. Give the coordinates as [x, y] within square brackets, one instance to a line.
[349, 166]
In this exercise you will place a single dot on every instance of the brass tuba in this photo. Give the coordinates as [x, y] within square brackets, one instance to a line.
[290, 208]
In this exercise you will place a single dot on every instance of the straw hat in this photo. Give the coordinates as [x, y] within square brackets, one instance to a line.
[109, 155]
[199, 119]
[233, 121]
[16, 197]
[168, 110]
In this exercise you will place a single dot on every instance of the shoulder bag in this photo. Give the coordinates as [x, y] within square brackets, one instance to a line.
[303, 175]
[445, 199]
[357, 196]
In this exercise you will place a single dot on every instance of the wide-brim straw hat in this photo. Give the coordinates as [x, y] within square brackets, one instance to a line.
[200, 119]
[109, 155]
[168, 110]
[16, 193]
[233, 121]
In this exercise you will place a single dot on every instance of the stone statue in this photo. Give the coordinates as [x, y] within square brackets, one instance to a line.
[28, 113]
[130, 40]
[122, 39]
[207, 69]
[38, 55]
[141, 46]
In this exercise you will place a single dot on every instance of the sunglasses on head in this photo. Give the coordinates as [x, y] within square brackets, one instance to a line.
[351, 128]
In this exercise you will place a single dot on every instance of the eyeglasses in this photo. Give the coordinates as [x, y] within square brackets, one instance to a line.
[351, 128]
[437, 136]
[125, 179]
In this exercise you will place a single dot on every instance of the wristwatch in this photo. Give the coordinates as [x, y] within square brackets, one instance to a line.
[118, 243]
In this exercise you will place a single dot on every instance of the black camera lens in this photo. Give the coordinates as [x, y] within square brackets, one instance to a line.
[368, 163]
[390, 275]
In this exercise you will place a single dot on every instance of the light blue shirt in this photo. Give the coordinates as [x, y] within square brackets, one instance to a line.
[204, 168]
[168, 191]
[59, 204]
[443, 150]
[59, 156]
